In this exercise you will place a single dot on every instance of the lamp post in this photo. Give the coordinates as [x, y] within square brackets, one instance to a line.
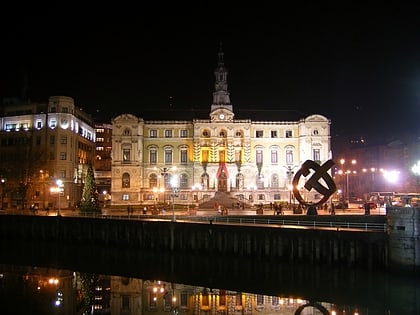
[164, 171]
[174, 188]
[346, 193]
[3, 183]
[60, 185]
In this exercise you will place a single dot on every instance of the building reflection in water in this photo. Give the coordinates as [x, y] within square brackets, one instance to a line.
[56, 291]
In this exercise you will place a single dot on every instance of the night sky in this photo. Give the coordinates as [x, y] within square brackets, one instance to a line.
[358, 65]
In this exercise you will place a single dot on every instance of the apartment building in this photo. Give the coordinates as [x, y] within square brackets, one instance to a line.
[45, 150]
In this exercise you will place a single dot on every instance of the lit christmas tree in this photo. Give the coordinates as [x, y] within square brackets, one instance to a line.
[90, 197]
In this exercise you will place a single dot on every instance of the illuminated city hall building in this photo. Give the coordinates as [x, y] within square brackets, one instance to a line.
[191, 161]
[45, 151]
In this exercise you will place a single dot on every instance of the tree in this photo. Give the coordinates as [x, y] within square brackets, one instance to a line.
[90, 197]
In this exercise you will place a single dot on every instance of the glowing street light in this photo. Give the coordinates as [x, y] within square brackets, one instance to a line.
[58, 189]
[342, 162]
[174, 186]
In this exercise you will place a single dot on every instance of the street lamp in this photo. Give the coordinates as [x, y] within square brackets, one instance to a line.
[164, 171]
[3, 183]
[60, 185]
[342, 162]
[174, 186]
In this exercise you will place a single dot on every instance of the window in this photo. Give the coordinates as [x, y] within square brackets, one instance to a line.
[184, 156]
[289, 156]
[184, 133]
[222, 156]
[316, 155]
[275, 300]
[205, 156]
[52, 139]
[222, 298]
[205, 298]
[125, 302]
[288, 134]
[126, 155]
[126, 180]
[53, 123]
[259, 156]
[183, 181]
[167, 301]
[184, 299]
[153, 180]
[168, 156]
[273, 133]
[153, 133]
[238, 299]
[63, 140]
[315, 132]
[206, 134]
[125, 197]
[63, 156]
[126, 132]
[274, 181]
[238, 134]
[152, 301]
[168, 133]
[260, 299]
[259, 133]
[274, 157]
[153, 156]
[38, 140]
[238, 156]
[39, 124]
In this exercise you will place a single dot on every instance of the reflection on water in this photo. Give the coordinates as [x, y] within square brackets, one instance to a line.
[43, 290]
[52, 279]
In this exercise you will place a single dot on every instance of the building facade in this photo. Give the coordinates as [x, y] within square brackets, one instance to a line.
[190, 161]
[41, 143]
[102, 164]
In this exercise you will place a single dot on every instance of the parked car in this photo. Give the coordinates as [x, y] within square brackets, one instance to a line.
[372, 205]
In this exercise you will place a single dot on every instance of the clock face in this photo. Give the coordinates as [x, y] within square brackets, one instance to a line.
[222, 116]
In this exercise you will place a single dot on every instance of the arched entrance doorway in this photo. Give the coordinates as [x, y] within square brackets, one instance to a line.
[222, 178]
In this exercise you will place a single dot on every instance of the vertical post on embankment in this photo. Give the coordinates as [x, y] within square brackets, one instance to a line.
[404, 236]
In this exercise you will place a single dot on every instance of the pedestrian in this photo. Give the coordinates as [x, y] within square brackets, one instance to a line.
[332, 209]
[47, 211]
[367, 208]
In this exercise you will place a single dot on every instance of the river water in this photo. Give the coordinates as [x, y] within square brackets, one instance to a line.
[251, 285]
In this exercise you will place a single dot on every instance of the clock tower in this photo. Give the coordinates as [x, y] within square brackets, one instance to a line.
[221, 109]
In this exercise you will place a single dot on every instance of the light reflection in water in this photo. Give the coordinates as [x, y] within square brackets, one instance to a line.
[56, 291]
[248, 286]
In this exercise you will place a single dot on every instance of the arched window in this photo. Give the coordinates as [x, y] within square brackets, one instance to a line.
[274, 181]
[289, 155]
[126, 132]
[126, 180]
[240, 181]
[153, 180]
[183, 181]
[205, 181]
